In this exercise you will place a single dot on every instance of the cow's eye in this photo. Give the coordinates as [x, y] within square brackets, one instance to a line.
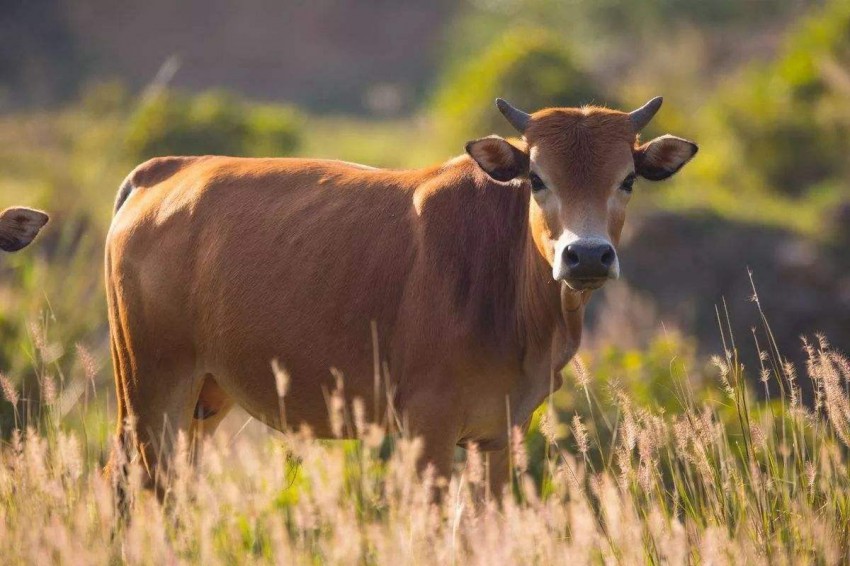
[537, 183]
[628, 183]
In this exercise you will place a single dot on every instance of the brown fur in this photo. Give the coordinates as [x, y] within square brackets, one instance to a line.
[215, 266]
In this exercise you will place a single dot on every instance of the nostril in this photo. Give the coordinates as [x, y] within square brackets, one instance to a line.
[572, 257]
[608, 257]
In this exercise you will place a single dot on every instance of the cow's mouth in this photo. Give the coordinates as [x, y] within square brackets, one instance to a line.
[585, 284]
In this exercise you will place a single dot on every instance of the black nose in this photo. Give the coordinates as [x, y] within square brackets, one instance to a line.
[589, 260]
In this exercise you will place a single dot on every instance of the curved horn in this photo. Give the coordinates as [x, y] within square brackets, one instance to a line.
[641, 117]
[516, 117]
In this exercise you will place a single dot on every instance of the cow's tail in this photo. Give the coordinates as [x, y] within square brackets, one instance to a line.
[150, 173]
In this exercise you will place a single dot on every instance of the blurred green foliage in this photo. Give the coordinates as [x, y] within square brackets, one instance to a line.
[646, 15]
[774, 133]
[170, 123]
[666, 377]
[791, 117]
[529, 67]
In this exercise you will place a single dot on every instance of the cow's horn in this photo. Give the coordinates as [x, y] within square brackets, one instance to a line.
[516, 117]
[641, 117]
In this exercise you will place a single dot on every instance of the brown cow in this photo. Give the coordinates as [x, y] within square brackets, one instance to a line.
[18, 227]
[474, 274]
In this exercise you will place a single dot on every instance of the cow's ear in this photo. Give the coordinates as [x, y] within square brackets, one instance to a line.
[18, 227]
[499, 158]
[660, 158]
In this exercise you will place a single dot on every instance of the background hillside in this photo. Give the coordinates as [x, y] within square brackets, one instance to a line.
[324, 55]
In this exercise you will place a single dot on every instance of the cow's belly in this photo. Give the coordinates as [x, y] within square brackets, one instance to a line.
[314, 348]
[315, 344]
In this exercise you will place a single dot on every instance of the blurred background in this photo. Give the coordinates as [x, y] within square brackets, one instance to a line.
[89, 88]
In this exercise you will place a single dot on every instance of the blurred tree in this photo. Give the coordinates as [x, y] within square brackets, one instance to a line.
[613, 35]
[633, 17]
[214, 122]
[791, 118]
[529, 67]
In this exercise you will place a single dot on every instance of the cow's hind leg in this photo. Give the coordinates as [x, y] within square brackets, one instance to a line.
[156, 375]
[156, 388]
[159, 405]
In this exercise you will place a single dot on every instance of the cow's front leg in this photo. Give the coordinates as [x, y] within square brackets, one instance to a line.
[498, 472]
[429, 419]
[500, 467]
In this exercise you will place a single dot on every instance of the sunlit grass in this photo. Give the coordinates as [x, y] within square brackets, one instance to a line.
[718, 477]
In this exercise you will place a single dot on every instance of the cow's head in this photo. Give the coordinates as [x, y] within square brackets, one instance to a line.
[18, 227]
[580, 165]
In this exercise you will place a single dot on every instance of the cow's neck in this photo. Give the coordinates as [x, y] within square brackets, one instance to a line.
[479, 234]
[549, 316]
[477, 241]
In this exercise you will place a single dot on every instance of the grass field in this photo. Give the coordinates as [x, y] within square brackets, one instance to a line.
[604, 476]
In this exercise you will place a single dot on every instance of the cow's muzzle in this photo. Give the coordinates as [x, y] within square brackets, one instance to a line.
[587, 264]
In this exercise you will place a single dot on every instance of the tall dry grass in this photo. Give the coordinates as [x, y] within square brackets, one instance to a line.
[772, 487]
